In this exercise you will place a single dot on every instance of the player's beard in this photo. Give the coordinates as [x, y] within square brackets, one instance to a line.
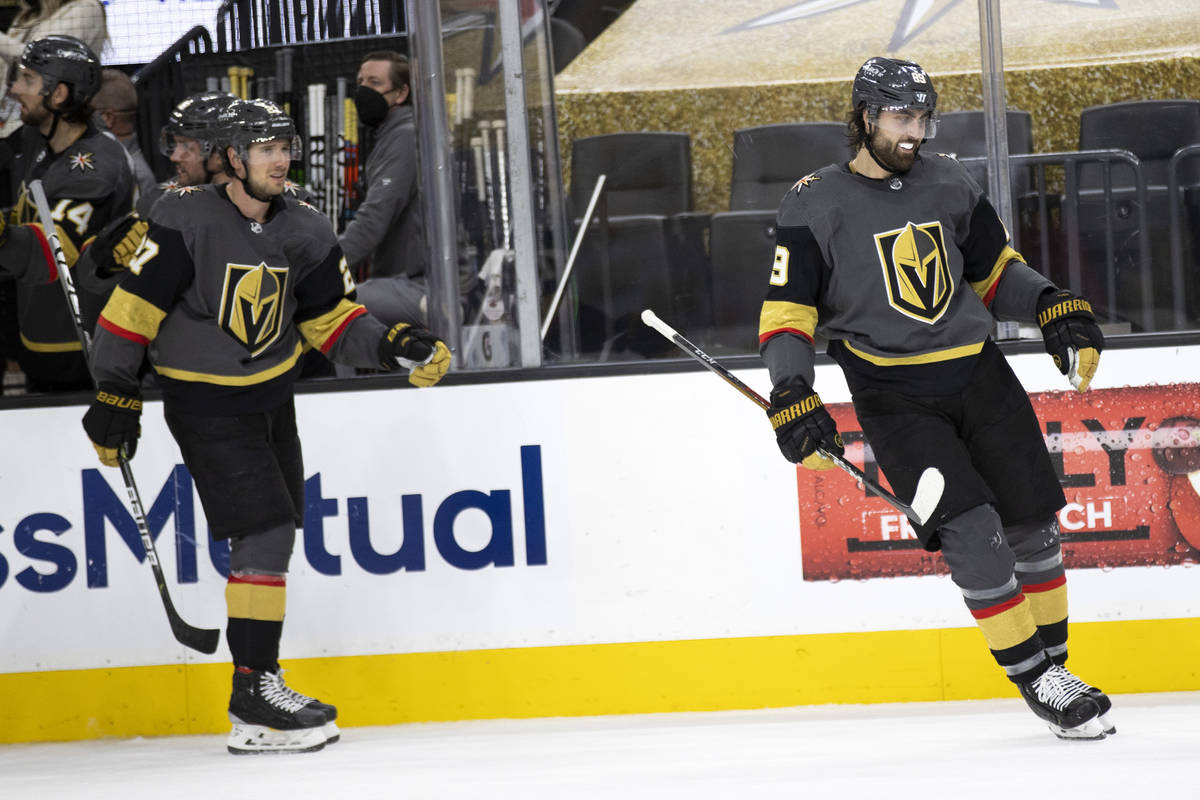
[889, 155]
[34, 117]
[263, 191]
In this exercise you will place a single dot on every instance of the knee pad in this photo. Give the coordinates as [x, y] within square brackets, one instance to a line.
[266, 553]
[1038, 549]
[980, 560]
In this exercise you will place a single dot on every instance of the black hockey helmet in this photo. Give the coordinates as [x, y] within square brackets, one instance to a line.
[59, 58]
[247, 122]
[892, 83]
[196, 118]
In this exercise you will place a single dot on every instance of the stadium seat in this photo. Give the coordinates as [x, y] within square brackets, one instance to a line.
[649, 172]
[566, 42]
[621, 269]
[742, 250]
[768, 159]
[1153, 130]
[962, 134]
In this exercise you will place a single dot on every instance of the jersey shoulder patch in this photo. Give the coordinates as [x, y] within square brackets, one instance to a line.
[805, 182]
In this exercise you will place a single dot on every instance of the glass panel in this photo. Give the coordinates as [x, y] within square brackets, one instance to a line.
[1111, 88]
[511, 222]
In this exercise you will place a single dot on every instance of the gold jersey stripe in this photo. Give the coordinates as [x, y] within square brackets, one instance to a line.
[987, 287]
[234, 380]
[72, 346]
[131, 313]
[949, 354]
[323, 331]
[781, 315]
[256, 601]
[1008, 628]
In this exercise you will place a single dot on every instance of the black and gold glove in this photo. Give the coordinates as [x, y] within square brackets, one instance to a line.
[1072, 337]
[426, 356]
[802, 425]
[113, 423]
[115, 245]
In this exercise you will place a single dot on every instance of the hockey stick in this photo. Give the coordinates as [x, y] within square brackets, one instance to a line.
[929, 486]
[204, 640]
[502, 183]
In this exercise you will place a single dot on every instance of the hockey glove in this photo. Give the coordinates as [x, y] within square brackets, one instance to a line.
[113, 423]
[1070, 332]
[802, 425]
[426, 356]
[116, 245]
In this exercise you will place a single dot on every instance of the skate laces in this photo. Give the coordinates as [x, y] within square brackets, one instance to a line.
[302, 699]
[1056, 687]
[276, 692]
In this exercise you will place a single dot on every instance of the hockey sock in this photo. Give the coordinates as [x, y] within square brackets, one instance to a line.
[1039, 568]
[981, 565]
[255, 605]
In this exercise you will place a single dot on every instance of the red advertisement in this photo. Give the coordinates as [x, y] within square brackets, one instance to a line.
[1128, 461]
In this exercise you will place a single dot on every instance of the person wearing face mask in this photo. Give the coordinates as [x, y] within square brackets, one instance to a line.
[386, 234]
[898, 258]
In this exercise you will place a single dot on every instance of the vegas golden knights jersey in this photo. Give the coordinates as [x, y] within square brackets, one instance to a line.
[87, 185]
[225, 306]
[899, 273]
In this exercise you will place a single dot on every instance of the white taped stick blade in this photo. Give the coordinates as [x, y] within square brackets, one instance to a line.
[929, 494]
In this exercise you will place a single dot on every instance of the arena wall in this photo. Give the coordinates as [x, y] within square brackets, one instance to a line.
[557, 547]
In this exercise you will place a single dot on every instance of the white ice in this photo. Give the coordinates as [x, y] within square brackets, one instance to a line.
[974, 749]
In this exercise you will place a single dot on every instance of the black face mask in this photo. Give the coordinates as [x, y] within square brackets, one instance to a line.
[371, 105]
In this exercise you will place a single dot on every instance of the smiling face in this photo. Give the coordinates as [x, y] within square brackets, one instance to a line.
[27, 90]
[267, 167]
[896, 136]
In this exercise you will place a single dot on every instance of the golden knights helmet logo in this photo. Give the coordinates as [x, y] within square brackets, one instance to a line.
[916, 270]
[252, 304]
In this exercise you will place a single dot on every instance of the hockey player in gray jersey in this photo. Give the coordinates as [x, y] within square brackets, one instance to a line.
[229, 287]
[898, 258]
[88, 182]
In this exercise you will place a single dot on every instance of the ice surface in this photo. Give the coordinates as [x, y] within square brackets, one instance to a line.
[978, 749]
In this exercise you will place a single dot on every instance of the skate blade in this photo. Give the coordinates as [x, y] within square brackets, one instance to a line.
[247, 739]
[331, 732]
[1109, 726]
[1092, 729]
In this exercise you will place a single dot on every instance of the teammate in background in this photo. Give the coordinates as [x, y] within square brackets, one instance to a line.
[116, 106]
[187, 139]
[229, 284]
[905, 265]
[88, 182]
[387, 232]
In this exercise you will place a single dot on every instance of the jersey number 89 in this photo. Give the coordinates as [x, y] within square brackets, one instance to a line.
[779, 272]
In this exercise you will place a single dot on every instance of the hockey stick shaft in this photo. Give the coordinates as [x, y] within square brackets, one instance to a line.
[652, 319]
[203, 640]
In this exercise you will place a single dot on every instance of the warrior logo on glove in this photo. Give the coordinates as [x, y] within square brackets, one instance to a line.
[1068, 325]
[803, 427]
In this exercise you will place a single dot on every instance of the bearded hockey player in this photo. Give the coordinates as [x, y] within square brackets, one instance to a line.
[188, 139]
[230, 285]
[898, 258]
[88, 182]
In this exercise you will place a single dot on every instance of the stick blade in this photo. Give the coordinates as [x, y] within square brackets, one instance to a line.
[203, 640]
[928, 494]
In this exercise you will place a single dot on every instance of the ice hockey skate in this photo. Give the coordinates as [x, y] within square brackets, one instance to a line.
[268, 717]
[1069, 709]
[330, 729]
[1102, 702]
